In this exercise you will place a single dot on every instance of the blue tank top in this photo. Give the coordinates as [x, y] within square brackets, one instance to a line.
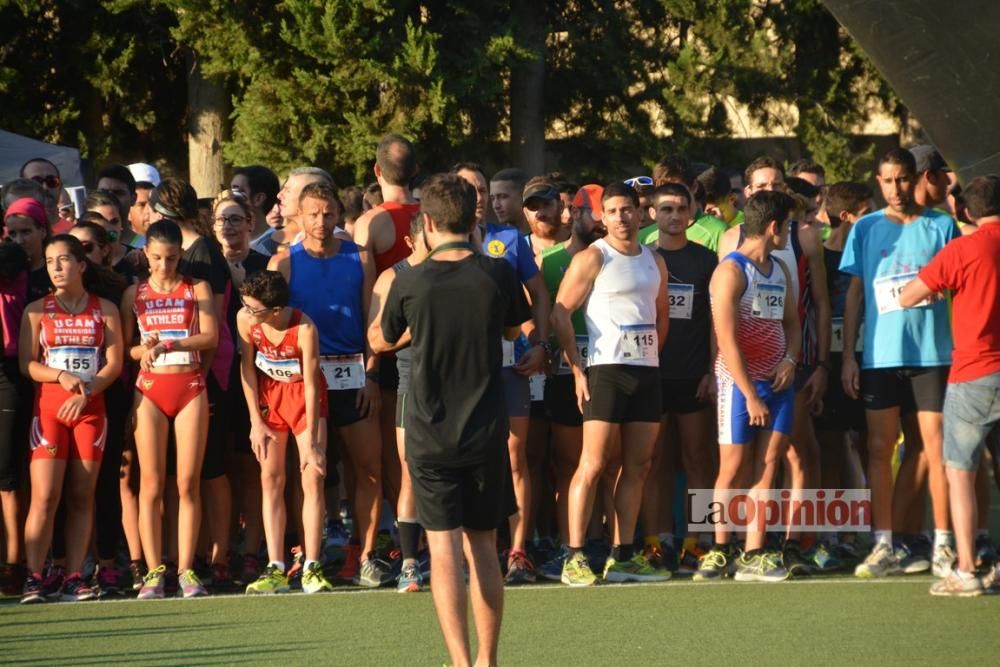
[329, 292]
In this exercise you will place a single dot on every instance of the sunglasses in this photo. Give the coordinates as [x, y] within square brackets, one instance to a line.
[48, 181]
[88, 246]
[636, 181]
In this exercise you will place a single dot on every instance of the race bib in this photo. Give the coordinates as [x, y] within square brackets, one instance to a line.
[536, 384]
[638, 341]
[887, 290]
[174, 358]
[582, 350]
[768, 301]
[282, 370]
[343, 372]
[837, 339]
[508, 353]
[681, 297]
[79, 361]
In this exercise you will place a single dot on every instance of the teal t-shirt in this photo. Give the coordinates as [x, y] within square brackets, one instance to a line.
[886, 255]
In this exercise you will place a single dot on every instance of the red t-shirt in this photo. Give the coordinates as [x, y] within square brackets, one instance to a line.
[970, 266]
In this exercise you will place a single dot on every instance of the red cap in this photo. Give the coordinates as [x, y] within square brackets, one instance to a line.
[589, 196]
[28, 207]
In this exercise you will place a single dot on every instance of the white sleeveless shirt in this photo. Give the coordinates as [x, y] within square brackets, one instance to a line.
[621, 309]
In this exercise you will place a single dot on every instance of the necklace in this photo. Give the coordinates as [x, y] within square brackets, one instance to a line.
[160, 288]
[76, 306]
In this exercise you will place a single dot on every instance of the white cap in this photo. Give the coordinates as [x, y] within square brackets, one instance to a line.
[145, 173]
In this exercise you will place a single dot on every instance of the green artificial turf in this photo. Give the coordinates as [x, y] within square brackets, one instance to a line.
[820, 621]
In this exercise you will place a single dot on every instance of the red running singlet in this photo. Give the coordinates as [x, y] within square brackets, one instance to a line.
[401, 215]
[172, 316]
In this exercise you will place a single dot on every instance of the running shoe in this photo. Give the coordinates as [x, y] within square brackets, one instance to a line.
[373, 572]
[824, 559]
[221, 579]
[153, 584]
[716, 564]
[793, 561]
[986, 553]
[76, 589]
[313, 580]
[659, 558]
[191, 586]
[203, 569]
[954, 585]
[991, 581]
[690, 558]
[943, 562]
[250, 570]
[410, 580]
[349, 570]
[336, 533]
[138, 570]
[52, 584]
[847, 553]
[553, 568]
[914, 554]
[576, 571]
[520, 570]
[881, 562]
[109, 581]
[171, 584]
[765, 566]
[636, 568]
[270, 582]
[34, 590]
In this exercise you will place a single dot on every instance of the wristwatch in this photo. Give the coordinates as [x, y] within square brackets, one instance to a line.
[824, 364]
[544, 344]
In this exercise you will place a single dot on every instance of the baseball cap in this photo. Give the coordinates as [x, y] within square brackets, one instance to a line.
[145, 173]
[540, 190]
[928, 159]
[589, 196]
[29, 207]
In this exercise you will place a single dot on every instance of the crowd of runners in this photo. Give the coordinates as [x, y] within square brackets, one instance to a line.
[213, 395]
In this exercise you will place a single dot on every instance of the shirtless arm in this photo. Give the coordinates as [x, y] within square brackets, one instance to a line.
[573, 292]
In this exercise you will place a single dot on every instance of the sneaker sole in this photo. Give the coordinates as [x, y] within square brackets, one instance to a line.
[276, 591]
[958, 594]
[577, 584]
[621, 578]
[749, 576]
[79, 598]
[34, 599]
[716, 576]
[412, 587]
[866, 574]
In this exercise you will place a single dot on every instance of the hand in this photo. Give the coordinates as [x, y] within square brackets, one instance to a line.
[757, 409]
[151, 340]
[72, 383]
[314, 455]
[150, 355]
[815, 387]
[72, 408]
[531, 362]
[582, 387]
[707, 389]
[369, 400]
[261, 437]
[237, 272]
[784, 375]
[850, 376]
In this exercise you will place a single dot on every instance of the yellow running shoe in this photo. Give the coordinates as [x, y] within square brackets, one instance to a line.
[270, 582]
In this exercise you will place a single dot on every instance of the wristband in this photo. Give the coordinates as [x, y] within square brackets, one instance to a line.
[168, 346]
[792, 361]
[825, 365]
[372, 375]
[545, 346]
[59, 374]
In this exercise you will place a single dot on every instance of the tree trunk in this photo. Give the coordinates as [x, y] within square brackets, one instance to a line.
[207, 116]
[527, 90]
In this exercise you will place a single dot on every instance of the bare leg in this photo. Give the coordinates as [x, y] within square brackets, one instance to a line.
[517, 445]
[883, 429]
[567, 442]
[485, 591]
[151, 450]
[46, 490]
[366, 461]
[314, 501]
[962, 488]
[448, 592]
[191, 429]
[272, 482]
[81, 482]
[597, 437]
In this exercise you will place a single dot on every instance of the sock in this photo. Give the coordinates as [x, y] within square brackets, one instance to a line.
[652, 541]
[883, 537]
[666, 539]
[305, 566]
[409, 536]
[964, 576]
[752, 552]
[942, 538]
[280, 564]
[624, 552]
[573, 551]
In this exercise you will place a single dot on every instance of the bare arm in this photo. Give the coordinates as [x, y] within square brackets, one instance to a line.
[914, 292]
[374, 231]
[853, 304]
[248, 372]
[662, 302]
[817, 286]
[376, 340]
[114, 349]
[573, 292]
[726, 287]
[309, 342]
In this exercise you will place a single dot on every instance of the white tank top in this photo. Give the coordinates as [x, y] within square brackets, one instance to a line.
[621, 309]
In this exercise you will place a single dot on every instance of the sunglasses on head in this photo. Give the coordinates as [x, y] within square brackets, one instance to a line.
[48, 181]
[88, 246]
[636, 181]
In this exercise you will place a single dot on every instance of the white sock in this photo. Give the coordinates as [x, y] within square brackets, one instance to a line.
[883, 537]
[942, 538]
[964, 576]
[305, 566]
[280, 564]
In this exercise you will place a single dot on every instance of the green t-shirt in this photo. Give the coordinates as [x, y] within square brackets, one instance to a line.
[555, 261]
[706, 230]
[737, 219]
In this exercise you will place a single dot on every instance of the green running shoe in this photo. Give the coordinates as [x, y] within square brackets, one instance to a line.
[825, 559]
[270, 582]
[764, 566]
[576, 571]
[636, 568]
[715, 564]
[313, 580]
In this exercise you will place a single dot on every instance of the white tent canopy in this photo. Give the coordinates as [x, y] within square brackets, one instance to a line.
[15, 150]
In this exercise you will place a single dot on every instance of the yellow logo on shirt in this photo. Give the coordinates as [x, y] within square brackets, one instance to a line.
[496, 248]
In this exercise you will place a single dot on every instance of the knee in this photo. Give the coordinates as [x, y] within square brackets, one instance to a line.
[369, 469]
[188, 488]
[272, 482]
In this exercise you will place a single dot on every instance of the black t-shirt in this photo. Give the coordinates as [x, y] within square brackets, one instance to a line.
[204, 261]
[456, 312]
[38, 284]
[685, 354]
[404, 357]
[253, 263]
